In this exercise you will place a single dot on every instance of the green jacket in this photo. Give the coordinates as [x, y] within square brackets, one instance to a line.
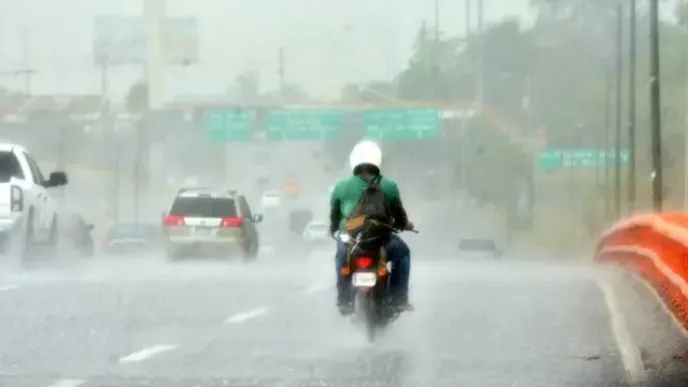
[348, 191]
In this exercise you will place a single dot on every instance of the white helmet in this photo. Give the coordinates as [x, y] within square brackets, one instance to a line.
[365, 152]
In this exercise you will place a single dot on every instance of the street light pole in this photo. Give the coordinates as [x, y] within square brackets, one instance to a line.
[656, 138]
[617, 132]
[631, 106]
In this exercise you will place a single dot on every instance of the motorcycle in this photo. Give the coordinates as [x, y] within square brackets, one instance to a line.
[369, 272]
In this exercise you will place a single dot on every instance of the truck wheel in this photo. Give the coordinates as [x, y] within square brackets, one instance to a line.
[24, 242]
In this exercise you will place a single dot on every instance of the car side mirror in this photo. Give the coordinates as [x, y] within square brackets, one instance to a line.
[56, 179]
[257, 218]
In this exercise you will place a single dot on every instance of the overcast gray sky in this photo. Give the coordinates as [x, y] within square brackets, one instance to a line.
[327, 42]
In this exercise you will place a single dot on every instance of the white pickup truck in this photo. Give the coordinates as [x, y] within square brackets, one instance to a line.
[28, 213]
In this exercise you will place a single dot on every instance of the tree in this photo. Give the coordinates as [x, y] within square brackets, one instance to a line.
[428, 72]
[453, 63]
[246, 87]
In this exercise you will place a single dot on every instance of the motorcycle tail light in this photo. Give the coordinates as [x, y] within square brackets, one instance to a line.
[364, 262]
[16, 199]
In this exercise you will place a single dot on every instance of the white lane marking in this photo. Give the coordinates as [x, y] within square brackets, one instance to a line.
[316, 288]
[67, 383]
[146, 353]
[243, 317]
[6, 288]
[630, 354]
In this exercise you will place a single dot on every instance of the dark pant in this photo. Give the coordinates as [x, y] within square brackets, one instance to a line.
[399, 255]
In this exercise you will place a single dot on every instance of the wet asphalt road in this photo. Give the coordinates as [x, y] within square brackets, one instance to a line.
[144, 322]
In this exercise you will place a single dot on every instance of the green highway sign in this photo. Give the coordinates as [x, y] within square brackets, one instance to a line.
[402, 124]
[304, 124]
[579, 158]
[229, 125]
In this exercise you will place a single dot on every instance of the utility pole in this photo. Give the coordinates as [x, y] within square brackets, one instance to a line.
[104, 67]
[280, 71]
[607, 137]
[465, 118]
[481, 66]
[656, 138]
[631, 106]
[468, 19]
[154, 13]
[436, 54]
[617, 132]
[684, 6]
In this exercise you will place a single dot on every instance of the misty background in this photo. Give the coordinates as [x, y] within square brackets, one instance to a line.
[514, 84]
[327, 43]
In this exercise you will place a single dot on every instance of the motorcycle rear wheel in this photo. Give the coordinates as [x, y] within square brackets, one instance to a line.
[367, 313]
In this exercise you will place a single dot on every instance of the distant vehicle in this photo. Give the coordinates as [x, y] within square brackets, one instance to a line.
[271, 198]
[76, 234]
[316, 232]
[27, 210]
[479, 248]
[298, 220]
[206, 220]
[126, 238]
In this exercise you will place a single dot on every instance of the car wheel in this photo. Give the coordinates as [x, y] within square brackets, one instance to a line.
[250, 252]
[51, 246]
[172, 254]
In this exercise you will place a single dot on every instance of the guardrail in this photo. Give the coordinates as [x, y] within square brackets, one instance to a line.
[654, 247]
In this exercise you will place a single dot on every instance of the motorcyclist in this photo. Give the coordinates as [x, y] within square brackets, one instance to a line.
[365, 161]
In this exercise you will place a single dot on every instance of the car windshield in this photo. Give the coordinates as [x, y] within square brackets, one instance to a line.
[477, 245]
[204, 207]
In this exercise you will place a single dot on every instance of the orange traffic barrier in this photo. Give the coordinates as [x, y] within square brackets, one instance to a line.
[655, 247]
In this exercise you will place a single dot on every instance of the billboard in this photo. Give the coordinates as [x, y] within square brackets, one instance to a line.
[122, 40]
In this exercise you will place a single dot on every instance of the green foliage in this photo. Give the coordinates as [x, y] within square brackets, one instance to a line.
[495, 163]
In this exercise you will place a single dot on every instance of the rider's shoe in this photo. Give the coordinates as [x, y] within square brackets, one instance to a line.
[345, 303]
[345, 308]
[402, 304]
